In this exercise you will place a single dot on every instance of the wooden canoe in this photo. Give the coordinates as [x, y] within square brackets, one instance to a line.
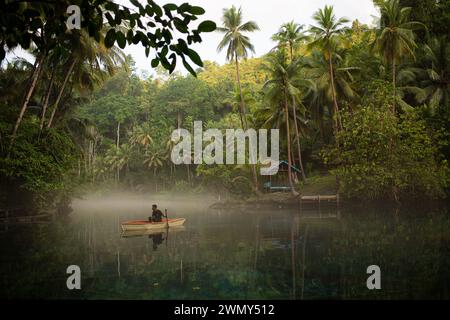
[146, 225]
[149, 232]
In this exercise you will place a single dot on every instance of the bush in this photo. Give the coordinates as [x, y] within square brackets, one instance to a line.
[380, 155]
[38, 168]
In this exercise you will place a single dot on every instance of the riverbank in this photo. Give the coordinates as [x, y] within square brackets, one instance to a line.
[317, 189]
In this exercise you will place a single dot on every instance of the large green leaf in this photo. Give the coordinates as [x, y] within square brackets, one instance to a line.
[110, 38]
[207, 26]
[197, 10]
[121, 40]
[195, 57]
[189, 68]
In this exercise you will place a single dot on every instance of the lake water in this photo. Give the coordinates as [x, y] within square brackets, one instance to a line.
[309, 253]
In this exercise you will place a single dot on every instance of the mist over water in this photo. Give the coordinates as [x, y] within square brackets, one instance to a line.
[312, 252]
[139, 206]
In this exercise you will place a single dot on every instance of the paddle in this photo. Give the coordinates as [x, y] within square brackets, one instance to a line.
[167, 219]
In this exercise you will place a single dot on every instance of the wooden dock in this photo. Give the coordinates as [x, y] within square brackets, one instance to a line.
[320, 198]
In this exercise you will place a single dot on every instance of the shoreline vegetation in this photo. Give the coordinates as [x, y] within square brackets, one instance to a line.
[363, 110]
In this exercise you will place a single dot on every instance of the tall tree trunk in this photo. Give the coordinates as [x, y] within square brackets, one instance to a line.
[61, 91]
[242, 103]
[394, 83]
[294, 110]
[244, 118]
[291, 50]
[118, 135]
[338, 125]
[94, 156]
[297, 133]
[188, 173]
[47, 98]
[178, 120]
[288, 136]
[33, 80]
[118, 146]
[294, 172]
[88, 176]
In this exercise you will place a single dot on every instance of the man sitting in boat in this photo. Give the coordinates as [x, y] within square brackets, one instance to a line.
[156, 214]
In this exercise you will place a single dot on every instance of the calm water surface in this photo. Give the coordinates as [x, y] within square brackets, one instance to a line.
[308, 253]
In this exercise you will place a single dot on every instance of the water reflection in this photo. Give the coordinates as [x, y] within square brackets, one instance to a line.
[158, 237]
[308, 253]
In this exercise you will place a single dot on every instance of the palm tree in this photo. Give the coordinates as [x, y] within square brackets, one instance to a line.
[47, 98]
[170, 144]
[83, 49]
[290, 35]
[118, 158]
[279, 89]
[326, 34]
[32, 83]
[86, 137]
[435, 75]
[317, 70]
[86, 52]
[238, 46]
[396, 39]
[141, 136]
[154, 160]
[234, 100]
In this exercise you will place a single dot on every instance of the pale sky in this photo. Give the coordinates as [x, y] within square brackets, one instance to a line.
[269, 14]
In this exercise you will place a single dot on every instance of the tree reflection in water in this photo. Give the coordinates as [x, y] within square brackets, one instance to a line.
[268, 254]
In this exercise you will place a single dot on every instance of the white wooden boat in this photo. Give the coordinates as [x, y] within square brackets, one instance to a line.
[146, 225]
[149, 232]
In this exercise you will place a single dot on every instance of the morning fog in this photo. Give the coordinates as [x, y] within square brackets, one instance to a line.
[211, 147]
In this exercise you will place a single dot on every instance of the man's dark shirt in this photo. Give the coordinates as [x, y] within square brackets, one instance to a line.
[157, 215]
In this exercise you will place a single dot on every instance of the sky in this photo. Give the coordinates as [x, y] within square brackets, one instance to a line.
[269, 14]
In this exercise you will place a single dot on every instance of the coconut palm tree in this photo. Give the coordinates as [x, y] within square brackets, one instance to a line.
[434, 76]
[86, 53]
[154, 159]
[326, 34]
[396, 39]
[118, 158]
[234, 100]
[290, 36]
[238, 45]
[83, 48]
[279, 89]
[170, 144]
[86, 137]
[32, 83]
[317, 69]
[141, 136]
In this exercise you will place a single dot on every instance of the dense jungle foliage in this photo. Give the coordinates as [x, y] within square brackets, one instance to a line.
[367, 104]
